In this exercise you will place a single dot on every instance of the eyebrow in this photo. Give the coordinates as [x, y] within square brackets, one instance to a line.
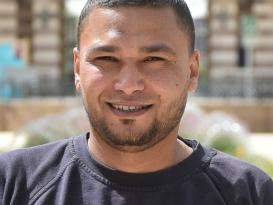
[158, 48]
[102, 48]
[147, 49]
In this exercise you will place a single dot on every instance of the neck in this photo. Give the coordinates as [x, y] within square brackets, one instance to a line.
[164, 154]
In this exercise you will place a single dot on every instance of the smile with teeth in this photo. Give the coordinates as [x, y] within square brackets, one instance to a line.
[129, 108]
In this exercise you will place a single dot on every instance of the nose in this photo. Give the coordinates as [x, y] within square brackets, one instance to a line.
[129, 80]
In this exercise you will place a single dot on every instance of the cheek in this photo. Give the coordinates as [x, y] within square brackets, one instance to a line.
[93, 82]
[167, 81]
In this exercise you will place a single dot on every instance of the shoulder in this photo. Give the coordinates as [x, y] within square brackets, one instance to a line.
[239, 180]
[31, 168]
[33, 156]
[233, 168]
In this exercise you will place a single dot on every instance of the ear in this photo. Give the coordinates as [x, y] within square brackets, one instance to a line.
[194, 71]
[77, 67]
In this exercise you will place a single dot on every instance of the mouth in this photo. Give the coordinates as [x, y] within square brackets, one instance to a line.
[129, 110]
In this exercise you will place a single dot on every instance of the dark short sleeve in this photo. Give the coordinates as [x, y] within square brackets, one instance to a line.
[239, 182]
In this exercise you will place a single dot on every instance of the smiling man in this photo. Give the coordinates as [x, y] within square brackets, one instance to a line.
[134, 65]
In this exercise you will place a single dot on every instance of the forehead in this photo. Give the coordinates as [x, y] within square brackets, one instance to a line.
[126, 15]
[131, 23]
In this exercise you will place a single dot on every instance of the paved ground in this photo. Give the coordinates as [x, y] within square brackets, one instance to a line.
[259, 142]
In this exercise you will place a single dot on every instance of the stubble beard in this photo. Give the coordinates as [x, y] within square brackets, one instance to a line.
[137, 141]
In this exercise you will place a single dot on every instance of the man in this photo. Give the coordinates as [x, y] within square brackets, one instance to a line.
[134, 65]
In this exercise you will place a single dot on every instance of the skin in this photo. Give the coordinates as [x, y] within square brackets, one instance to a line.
[135, 56]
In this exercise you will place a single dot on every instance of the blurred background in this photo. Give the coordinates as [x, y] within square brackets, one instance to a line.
[232, 109]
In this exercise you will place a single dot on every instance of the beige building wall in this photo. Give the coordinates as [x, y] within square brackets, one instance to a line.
[263, 53]
[223, 34]
[40, 35]
[47, 34]
[8, 21]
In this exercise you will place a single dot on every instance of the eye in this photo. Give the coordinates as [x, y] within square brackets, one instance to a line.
[106, 58]
[153, 59]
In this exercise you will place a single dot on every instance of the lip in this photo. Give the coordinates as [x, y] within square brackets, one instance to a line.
[133, 114]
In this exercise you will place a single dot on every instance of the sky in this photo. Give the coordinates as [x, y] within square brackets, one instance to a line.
[197, 7]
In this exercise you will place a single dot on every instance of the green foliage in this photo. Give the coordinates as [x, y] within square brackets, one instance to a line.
[226, 144]
[31, 141]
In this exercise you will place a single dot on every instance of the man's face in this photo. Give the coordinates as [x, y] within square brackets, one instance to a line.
[134, 70]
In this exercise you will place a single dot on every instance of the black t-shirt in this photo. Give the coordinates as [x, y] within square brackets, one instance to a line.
[64, 173]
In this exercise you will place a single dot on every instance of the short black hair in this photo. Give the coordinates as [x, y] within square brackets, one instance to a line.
[180, 7]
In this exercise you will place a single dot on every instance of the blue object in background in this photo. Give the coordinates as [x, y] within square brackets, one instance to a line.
[8, 60]
[8, 57]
